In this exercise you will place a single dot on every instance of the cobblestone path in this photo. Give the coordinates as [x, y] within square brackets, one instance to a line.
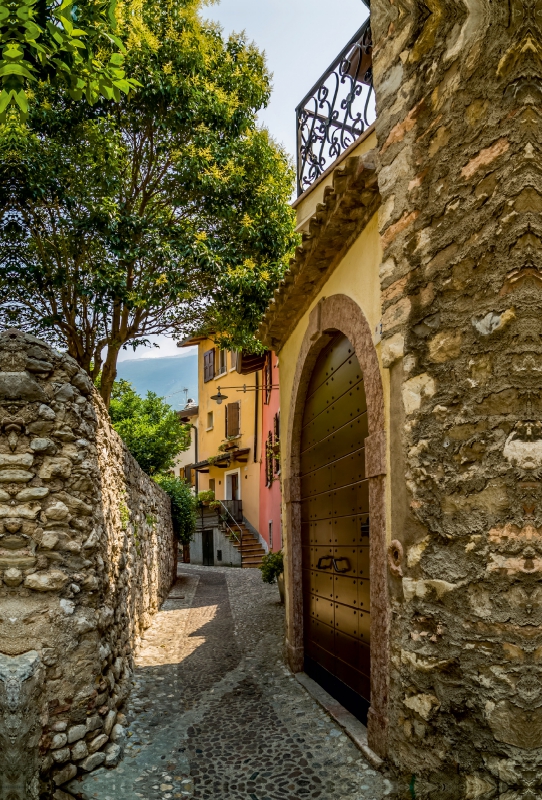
[215, 714]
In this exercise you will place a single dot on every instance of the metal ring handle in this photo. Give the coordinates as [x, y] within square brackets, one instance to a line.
[341, 571]
[324, 558]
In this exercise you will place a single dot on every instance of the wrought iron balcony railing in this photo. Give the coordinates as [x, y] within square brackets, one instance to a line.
[337, 110]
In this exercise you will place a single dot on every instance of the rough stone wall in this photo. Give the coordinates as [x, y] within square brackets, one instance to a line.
[458, 85]
[87, 554]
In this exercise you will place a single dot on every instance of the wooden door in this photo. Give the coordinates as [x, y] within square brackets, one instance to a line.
[208, 549]
[335, 528]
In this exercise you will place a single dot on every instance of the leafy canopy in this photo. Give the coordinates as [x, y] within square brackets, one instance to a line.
[167, 211]
[70, 43]
[150, 428]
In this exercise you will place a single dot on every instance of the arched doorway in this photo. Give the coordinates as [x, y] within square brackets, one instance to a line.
[334, 494]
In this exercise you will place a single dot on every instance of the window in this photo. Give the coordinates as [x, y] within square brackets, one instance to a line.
[208, 366]
[234, 359]
[267, 379]
[270, 534]
[212, 484]
[269, 460]
[221, 361]
[276, 433]
[210, 420]
[232, 419]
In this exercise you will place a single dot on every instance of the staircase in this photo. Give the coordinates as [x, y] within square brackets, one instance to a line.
[252, 551]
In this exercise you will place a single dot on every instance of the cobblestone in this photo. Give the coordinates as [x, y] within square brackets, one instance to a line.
[216, 715]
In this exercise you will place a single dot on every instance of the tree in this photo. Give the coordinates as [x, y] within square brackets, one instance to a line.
[72, 44]
[149, 427]
[165, 212]
[183, 506]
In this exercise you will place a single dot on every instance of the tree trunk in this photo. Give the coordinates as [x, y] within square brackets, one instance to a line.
[109, 373]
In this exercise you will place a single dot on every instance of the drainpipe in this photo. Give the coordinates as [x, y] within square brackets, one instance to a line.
[196, 483]
[256, 405]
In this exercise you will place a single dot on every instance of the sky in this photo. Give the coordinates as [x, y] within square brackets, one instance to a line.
[300, 39]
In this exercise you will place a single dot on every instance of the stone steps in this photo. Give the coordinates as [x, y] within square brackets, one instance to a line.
[251, 550]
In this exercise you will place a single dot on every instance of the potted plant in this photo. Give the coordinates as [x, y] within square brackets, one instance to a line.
[272, 569]
[205, 498]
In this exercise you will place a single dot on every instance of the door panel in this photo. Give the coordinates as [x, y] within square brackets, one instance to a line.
[335, 525]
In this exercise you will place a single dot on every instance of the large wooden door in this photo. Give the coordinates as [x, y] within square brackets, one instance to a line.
[335, 528]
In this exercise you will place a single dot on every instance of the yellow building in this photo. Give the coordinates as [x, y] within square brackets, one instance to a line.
[325, 324]
[229, 447]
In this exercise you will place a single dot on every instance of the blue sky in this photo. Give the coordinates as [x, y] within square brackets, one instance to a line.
[300, 39]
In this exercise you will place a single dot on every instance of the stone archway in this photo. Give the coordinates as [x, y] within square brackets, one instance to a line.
[333, 314]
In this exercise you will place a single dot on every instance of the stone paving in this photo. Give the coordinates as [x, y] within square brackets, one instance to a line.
[215, 714]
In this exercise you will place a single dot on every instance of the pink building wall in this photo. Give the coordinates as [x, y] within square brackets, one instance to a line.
[270, 493]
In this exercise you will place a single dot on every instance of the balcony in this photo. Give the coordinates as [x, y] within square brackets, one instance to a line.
[337, 110]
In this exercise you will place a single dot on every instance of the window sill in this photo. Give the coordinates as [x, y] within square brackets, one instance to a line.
[208, 429]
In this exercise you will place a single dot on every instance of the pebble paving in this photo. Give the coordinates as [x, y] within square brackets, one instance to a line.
[216, 715]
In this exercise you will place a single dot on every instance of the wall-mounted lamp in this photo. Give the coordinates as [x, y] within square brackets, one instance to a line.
[219, 397]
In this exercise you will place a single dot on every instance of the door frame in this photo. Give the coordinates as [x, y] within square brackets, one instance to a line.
[226, 475]
[332, 315]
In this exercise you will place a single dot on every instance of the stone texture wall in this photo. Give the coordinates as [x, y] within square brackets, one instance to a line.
[87, 554]
[459, 105]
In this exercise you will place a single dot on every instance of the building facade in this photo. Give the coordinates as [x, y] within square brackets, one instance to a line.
[240, 521]
[408, 336]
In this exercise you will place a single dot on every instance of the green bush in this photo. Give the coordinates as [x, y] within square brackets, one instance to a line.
[183, 506]
[205, 497]
[272, 566]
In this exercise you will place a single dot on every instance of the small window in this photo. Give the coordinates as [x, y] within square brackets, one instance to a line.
[210, 420]
[208, 366]
[233, 427]
[219, 555]
[267, 379]
[270, 534]
[221, 361]
[212, 484]
[234, 359]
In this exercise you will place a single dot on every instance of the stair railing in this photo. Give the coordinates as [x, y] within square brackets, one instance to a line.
[239, 535]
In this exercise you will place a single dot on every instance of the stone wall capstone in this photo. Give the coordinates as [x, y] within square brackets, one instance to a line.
[87, 555]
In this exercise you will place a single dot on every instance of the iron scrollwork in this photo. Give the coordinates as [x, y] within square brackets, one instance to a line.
[337, 110]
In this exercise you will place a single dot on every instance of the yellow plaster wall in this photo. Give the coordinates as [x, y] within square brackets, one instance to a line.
[210, 440]
[357, 276]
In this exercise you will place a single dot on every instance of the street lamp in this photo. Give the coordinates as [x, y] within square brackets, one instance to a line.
[219, 397]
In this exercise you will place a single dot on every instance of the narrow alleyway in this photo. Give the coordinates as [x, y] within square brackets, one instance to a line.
[215, 714]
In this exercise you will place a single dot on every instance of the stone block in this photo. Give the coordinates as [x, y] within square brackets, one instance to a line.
[113, 755]
[61, 755]
[97, 743]
[109, 721]
[79, 750]
[52, 581]
[93, 761]
[118, 734]
[76, 732]
[58, 741]
[64, 775]
[94, 723]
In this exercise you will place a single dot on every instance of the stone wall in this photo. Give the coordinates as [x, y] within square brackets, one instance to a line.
[459, 105]
[87, 554]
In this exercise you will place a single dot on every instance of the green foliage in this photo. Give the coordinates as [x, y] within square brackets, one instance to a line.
[150, 428]
[124, 512]
[183, 506]
[205, 497]
[71, 44]
[272, 566]
[167, 211]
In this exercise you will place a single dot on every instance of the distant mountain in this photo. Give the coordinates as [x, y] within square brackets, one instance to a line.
[167, 376]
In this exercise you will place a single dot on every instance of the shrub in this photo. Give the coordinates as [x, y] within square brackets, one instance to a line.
[183, 506]
[272, 566]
